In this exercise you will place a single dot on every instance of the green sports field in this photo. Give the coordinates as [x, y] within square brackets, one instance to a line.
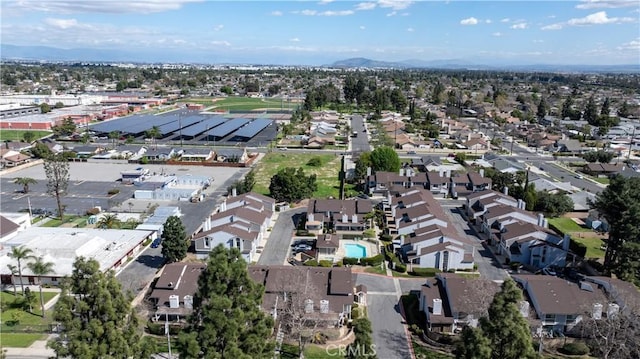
[17, 135]
[243, 103]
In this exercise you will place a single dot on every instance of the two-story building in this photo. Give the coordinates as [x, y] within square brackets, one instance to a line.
[337, 215]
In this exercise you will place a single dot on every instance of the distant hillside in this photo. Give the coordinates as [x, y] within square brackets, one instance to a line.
[363, 62]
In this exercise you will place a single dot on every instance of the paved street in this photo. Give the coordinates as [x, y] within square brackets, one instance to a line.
[276, 250]
[383, 299]
[360, 143]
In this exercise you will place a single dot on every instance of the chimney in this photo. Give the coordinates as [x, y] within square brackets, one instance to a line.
[482, 172]
[596, 313]
[545, 224]
[368, 171]
[437, 306]
[354, 218]
[565, 242]
[207, 225]
[401, 172]
[524, 309]
[223, 205]
[448, 173]
[234, 192]
[612, 310]
[540, 219]
[345, 218]
[505, 190]
[441, 172]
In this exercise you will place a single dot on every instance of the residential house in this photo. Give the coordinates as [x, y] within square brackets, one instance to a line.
[172, 295]
[324, 294]
[327, 245]
[337, 215]
[427, 239]
[560, 305]
[451, 302]
[238, 155]
[603, 169]
[12, 223]
[426, 163]
[437, 183]
[159, 154]
[532, 245]
[197, 155]
[463, 185]
[478, 203]
[87, 151]
[596, 222]
[13, 159]
[476, 144]
[569, 146]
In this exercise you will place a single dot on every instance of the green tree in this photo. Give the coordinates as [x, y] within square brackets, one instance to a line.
[113, 136]
[40, 150]
[25, 182]
[96, 318]
[45, 108]
[40, 268]
[175, 243]
[619, 205]
[28, 136]
[244, 185]
[66, 128]
[385, 159]
[505, 328]
[591, 112]
[226, 90]
[154, 133]
[362, 164]
[227, 321]
[21, 253]
[13, 270]
[109, 221]
[553, 204]
[460, 157]
[56, 168]
[624, 110]
[473, 345]
[543, 108]
[292, 185]
[362, 347]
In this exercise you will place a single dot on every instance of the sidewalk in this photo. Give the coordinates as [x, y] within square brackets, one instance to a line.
[36, 350]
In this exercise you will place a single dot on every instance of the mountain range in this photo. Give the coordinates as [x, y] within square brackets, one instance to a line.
[47, 53]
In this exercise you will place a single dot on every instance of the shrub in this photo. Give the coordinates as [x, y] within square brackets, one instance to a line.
[578, 248]
[386, 237]
[514, 265]
[425, 272]
[93, 211]
[311, 263]
[355, 312]
[372, 261]
[350, 260]
[400, 267]
[325, 263]
[113, 191]
[315, 162]
[390, 256]
[575, 348]
[338, 264]
[158, 329]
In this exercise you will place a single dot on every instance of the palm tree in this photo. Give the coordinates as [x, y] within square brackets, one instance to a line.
[40, 268]
[20, 253]
[14, 270]
[113, 136]
[109, 221]
[25, 182]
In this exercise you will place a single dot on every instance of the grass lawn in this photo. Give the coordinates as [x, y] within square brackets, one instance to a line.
[243, 103]
[68, 220]
[326, 173]
[17, 135]
[19, 340]
[31, 327]
[601, 180]
[593, 244]
[567, 225]
[310, 352]
[376, 270]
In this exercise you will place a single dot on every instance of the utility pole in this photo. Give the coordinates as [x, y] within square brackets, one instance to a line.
[631, 142]
[512, 141]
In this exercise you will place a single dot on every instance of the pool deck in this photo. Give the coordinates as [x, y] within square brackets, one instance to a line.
[372, 249]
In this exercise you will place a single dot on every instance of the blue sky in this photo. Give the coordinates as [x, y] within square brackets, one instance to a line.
[597, 32]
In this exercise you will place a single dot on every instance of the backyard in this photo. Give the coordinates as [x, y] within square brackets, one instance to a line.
[20, 328]
[326, 173]
[591, 240]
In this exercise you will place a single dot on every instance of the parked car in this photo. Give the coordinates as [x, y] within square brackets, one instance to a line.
[411, 152]
[302, 248]
[579, 176]
[302, 242]
[156, 242]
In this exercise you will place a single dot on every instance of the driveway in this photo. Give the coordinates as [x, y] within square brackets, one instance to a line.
[276, 250]
[487, 263]
[383, 300]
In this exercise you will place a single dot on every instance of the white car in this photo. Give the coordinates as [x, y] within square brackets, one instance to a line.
[302, 248]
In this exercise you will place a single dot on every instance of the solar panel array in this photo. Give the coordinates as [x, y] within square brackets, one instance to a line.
[228, 127]
[184, 122]
[147, 122]
[203, 126]
[253, 128]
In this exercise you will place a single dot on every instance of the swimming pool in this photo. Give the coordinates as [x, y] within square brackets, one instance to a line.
[355, 250]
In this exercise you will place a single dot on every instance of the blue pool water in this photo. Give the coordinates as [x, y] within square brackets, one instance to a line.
[355, 251]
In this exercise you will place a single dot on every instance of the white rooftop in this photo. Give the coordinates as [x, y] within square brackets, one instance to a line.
[63, 245]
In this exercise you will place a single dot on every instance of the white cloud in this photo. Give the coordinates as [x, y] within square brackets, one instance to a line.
[218, 27]
[276, 13]
[469, 21]
[393, 13]
[506, 19]
[410, 29]
[395, 4]
[295, 39]
[552, 27]
[362, 27]
[538, 41]
[598, 18]
[220, 43]
[611, 4]
[488, 21]
[519, 26]
[365, 6]
[633, 45]
[325, 2]
[100, 6]
[324, 13]
[497, 34]
[306, 12]
[62, 23]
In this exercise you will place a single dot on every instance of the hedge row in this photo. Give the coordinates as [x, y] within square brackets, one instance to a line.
[425, 272]
[398, 266]
[367, 261]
